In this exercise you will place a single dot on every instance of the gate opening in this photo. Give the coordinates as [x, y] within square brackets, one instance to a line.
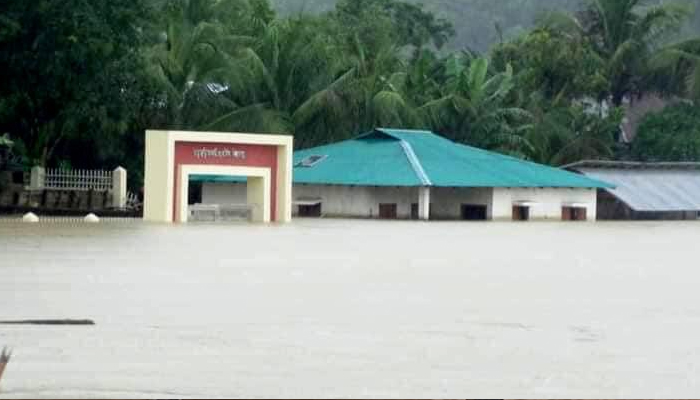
[219, 199]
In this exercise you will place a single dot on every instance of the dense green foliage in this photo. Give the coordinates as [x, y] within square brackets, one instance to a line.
[670, 135]
[84, 79]
[67, 66]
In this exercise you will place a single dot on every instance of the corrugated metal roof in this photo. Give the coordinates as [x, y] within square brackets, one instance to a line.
[380, 158]
[631, 165]
[652, 190]
[365, 161]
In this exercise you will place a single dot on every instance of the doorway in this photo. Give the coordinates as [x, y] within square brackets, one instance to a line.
[310, 211]
[521, 213]
[574, 214]
[388, 211]
[474, 212]
[258, 189]
[194, 194]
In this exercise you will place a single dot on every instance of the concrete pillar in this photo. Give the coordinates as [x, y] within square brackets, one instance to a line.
[284, 183]
[119, 188]
[424, 203]
[257, 199]
[37, 178]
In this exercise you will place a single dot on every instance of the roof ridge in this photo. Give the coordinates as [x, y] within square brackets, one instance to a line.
[392, 131]
[415, 163]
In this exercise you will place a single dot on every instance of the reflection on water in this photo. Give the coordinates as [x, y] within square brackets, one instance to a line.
[324, 308]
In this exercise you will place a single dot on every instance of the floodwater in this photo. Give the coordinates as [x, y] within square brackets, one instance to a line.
[336, 308]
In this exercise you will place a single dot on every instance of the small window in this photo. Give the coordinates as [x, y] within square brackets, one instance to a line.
[310, 161]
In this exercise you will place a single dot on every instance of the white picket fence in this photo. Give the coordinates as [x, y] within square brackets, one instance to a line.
[82, 180]
[78, 179]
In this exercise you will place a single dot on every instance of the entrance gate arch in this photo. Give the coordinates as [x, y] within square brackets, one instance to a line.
[172, 156]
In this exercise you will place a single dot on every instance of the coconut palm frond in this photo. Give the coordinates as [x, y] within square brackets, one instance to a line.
[562, 22]
[252, 118]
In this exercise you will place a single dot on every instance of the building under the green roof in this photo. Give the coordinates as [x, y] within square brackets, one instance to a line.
[390, 174]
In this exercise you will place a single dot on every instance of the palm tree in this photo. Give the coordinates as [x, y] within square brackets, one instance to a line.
[365, 90]
[626, 34]
[677, 69]
[474, 108]
[200, 67]
[564, 133]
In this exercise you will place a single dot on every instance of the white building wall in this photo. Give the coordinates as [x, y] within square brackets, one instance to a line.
[337, 201]
[446, 203]
[358, 201]
[224, 193]
[549, 202]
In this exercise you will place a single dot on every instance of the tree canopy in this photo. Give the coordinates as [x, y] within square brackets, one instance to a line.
[84, 79]
[670, 135]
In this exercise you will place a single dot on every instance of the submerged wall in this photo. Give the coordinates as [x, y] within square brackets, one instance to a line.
[446, 203]
[549, 202]
[337, 201]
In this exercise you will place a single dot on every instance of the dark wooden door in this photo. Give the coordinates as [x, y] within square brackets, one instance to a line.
[574, 214]
[388, 211]
[521, 213]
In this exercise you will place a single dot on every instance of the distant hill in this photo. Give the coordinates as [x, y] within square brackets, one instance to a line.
[479, 23]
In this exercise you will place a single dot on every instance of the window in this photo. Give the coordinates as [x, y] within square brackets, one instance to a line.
[310, 161]
[388, 211]
[473, 212]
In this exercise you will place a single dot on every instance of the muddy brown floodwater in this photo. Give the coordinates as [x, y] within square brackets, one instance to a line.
[337, 308]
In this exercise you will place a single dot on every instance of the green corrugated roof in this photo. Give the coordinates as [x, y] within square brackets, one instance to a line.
[390, 157]
[368, 161]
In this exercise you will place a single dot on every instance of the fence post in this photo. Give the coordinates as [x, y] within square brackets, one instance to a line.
[119, 188]
[37, 178]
